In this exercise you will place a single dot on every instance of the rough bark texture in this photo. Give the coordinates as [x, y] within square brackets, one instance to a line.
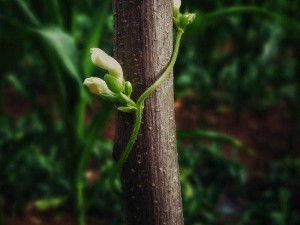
[143, 41]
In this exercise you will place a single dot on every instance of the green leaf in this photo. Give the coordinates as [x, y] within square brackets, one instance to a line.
[97, 123]
[46, 204]
[55, 12]
[26, 13]
[214, 137]
[17, 85]
[219, 15]
[127, 109]
[62, 46]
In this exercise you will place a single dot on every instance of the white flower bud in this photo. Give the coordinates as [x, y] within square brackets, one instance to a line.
[104, 61]
[176, 4]
[96, 85]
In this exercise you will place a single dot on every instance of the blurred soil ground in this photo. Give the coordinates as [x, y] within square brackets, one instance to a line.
[32, 218]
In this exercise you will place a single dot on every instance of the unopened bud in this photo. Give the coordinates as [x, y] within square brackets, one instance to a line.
[114, 84]
[112, 97]
[128, 88]
[104, 61]
[96, 85]
[176, 4]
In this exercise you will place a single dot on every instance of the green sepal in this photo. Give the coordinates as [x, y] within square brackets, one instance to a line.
[127, 109]
[186, 19]
[176, 21]
[176, 13]
[128, 88]
[114, 84]
[109, 97]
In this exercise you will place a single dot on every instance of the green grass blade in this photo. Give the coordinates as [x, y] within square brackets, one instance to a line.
[200, 134]
[55, 11]
[95, 36]
[62, 46]
[19, 86]
[1, 212]
[218, 16]
[96, 125]
[51, 203]
[26, 13]
[98, 122]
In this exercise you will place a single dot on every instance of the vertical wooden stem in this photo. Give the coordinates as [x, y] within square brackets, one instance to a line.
[143, 40]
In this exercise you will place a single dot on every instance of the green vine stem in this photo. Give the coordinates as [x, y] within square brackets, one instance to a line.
[140, 107]
[165, 74]
[136, 128]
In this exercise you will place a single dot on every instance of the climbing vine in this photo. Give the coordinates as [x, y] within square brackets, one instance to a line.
[115, 89]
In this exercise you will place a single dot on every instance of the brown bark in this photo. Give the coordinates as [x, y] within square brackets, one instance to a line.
[143, 41]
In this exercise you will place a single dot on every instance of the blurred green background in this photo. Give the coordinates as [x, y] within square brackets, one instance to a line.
[237, 88]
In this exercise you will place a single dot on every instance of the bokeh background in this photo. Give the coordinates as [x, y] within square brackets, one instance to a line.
[237, 88]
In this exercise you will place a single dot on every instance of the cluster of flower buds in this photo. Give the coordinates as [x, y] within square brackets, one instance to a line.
[181, 20]
[113, 88]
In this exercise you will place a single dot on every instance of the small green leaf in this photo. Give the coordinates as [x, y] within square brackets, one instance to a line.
[62, 46]
[46, 204]
[26, 12]
[128, 109]
[18, 85]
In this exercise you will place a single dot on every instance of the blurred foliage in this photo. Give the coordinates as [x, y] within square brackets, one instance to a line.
[48, 148]
[220, 192]
[242, 54]
[245, 61]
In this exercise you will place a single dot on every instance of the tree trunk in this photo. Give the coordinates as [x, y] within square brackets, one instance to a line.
[143, 41]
